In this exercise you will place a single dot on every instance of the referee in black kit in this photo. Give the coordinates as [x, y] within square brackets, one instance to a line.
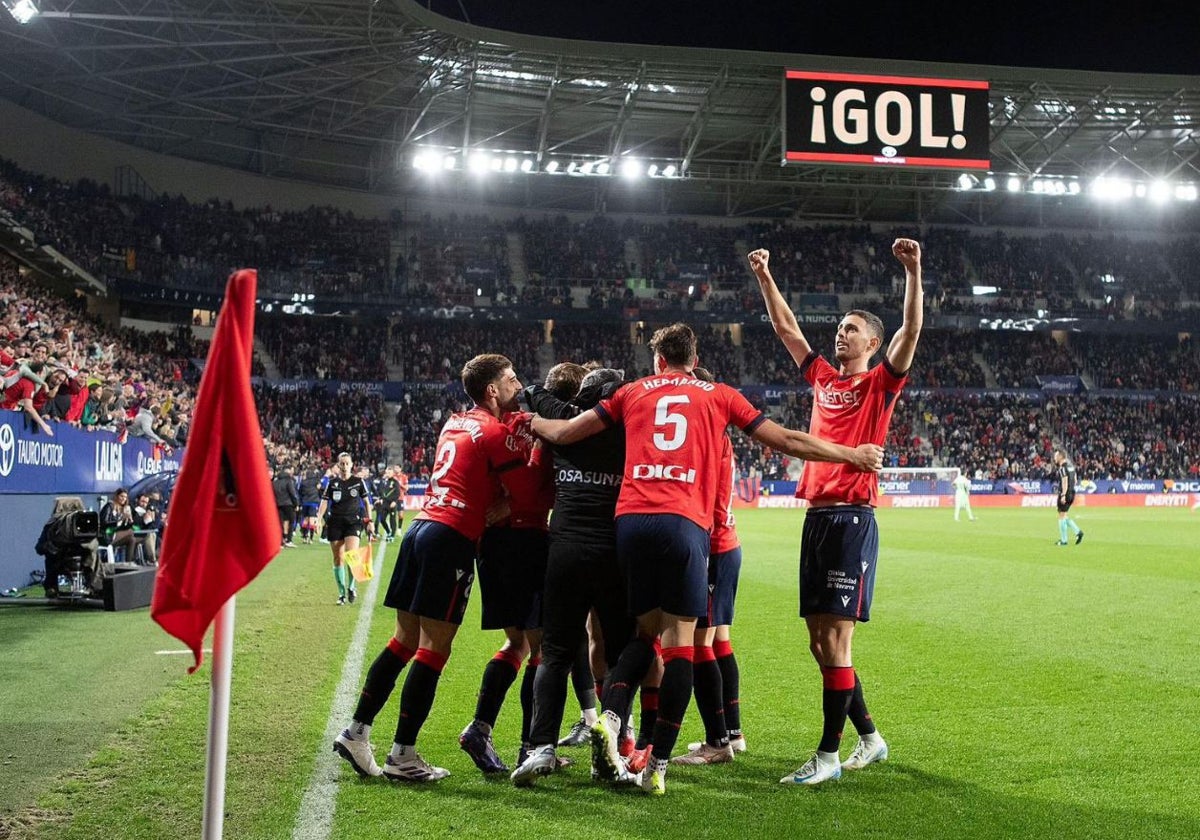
[349, 503]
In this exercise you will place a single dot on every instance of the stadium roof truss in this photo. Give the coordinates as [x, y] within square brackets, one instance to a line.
[349, 92]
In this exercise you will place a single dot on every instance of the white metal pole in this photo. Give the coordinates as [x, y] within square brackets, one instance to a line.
[218, 725]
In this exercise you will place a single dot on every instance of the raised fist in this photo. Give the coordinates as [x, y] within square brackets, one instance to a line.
[908, 251]
[759, 259]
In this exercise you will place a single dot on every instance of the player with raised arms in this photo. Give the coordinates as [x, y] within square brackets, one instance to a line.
[852, 404]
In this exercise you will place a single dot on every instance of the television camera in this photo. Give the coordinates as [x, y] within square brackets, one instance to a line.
[69, 542]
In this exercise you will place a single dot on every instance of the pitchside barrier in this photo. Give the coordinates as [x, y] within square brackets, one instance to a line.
[35, 468]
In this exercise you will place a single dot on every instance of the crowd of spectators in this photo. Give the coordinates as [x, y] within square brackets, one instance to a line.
[308, 347]
[1018, 359]
[171, 241]
[1139, 363]
[1129, 438]
[606, 343]
[309, 426]
[75, 369]
[61, 365]
[420, 415]
[435, 351]
[455, 258]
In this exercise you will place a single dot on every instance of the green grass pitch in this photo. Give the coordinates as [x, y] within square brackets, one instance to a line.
[1025, 690]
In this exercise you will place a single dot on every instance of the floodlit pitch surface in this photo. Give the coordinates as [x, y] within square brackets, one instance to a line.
[1026, 690]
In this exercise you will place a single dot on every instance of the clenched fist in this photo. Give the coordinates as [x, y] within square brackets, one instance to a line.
[908, 251]
[759, 260]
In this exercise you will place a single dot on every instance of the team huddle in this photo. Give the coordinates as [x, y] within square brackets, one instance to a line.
[630, 584]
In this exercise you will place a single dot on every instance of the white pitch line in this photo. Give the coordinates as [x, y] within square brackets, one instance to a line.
[179, 652]
[314, 820]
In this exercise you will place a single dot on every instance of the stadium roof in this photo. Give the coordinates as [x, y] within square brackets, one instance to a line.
[349, 92]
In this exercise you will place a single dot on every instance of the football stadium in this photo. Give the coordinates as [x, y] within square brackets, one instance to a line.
[781, 443]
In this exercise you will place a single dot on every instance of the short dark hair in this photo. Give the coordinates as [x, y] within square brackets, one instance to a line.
[481, 372]
[874, 324]
[563, 380]
[703, 374]
[676, 344]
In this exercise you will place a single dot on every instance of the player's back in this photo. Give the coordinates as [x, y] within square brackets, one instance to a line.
[471, 451]
[674, 425]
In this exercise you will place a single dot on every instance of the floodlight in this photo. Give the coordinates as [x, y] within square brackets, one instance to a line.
[965, 181]
[670, 170]
[527, 165]
[631, 168]
[425, 160]
[1160, 192]
[510, 164]
[585, 168]
[1073, 188]
[497, 164]
[571, 167]
[22, 11]
[1186, 192]
[989, 183]
[479, 162]
[652, 170]
[1140, 190]
[1014, 184]
[552, 167]
[1038, 186]
[603, 168]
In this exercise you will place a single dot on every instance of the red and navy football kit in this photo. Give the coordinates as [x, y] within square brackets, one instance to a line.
[513, 552]
[725, 558]
[840, 543]
[674, 426]
[435, 569]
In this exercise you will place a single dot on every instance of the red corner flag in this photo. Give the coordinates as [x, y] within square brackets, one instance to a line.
[223, 528]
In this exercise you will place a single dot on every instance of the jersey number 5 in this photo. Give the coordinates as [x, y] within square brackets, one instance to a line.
[663, 416]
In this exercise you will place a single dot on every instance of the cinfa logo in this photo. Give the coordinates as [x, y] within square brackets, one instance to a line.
[8, 449]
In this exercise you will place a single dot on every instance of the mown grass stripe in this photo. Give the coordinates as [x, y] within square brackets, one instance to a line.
[314, 820]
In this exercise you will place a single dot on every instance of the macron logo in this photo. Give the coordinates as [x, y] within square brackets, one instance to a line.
[845, 600]
[664, 472]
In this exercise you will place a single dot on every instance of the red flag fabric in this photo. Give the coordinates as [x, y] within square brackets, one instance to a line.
[223, 528]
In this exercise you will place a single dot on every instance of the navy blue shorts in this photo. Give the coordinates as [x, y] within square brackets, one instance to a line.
[512, 577]
[309, 509]
[664, 557]
[723, 571]
[434, 572]
[339, 528]
[837, 561]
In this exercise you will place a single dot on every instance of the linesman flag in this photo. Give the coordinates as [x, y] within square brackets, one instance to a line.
[223, 528]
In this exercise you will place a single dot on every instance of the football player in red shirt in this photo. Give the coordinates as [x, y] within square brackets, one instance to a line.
[715, 671]
[513, 554]
[432, 578]
[852, 404]
[674, 424]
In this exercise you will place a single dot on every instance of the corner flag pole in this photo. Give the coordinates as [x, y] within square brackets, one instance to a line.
[218, 724]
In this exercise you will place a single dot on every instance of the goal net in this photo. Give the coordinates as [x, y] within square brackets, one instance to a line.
[918, 481]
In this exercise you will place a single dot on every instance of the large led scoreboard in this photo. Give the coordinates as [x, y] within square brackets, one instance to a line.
[860, 119]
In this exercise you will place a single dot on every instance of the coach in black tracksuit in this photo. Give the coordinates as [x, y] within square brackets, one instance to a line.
[582, 571]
